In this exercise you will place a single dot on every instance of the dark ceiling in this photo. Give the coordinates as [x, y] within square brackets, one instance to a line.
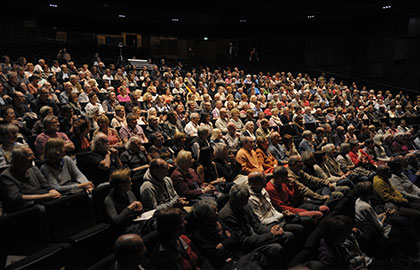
[217, 17]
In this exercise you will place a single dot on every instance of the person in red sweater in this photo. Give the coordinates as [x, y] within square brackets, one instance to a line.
[285, 195]
[359, 157]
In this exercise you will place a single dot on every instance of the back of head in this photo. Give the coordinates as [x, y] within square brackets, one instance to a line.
[279, 172]
[119, 177]
[129, 250]
[237, 195]
[364, 188]
[168, 222]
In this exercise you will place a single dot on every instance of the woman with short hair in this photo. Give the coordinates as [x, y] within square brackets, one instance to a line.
[61, 171]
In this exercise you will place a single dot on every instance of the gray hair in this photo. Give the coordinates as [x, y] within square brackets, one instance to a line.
[244, 139]
[18, 154]
[194, 115]
[48, 120]
[98, 139]
[203, 209]
[202, 130]
[237, 193]
[131, 141]
[328, 148]
[345, 148]
[7, 129]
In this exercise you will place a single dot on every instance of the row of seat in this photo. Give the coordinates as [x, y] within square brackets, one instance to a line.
[71, 231]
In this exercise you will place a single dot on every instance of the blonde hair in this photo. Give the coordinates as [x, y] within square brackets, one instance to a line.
[119, 177]
[183, 158]
[234, 111]
[215, 133]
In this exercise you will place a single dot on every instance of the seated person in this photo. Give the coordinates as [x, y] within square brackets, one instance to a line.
[136, 158]
[276, 149]
[265, 158]
[260, 205]
[157, 191]
[158, 150]
[247, 157]
[314, 184]
[23, 184]
[206, 170]
[253, 235]
[232, 138]
[81, 129]
[51, 130]
[336, 243]
[226, 164]
[401, 182]
[60, 170]
[186, 181]
[121, 205]
[9, 137]
[103, 127]
[178, 143]
[288, 195]
[200, 141]
[38, 126]
[153, 126]
[391, 234]
[322, 171]
[359, 157]
[132, 129]
[99, 163]
[307, 144]
[289, 147]
[175, 250]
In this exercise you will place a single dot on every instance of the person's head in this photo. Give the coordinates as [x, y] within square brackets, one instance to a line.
[103, 121]
[216, 134]
[195, 118]
[170, 225]
[120, 180]
[345, 148]
[231, 127]
[153, 121]
[51, 124]
[354, 146]
[133, 144]
[307, 134]
[295, 163]
[205, 211]
[203, 132]
[265, 123]
[280, 174]
[8, 113]
[235, 113]
[396, 165]
[157, 139]
[54, 150]
[131, 120]
[335, 229]
[158, 169]
[120, 110]
[100, 143]
[9, 133]
[364, 189]
[319, 157]
[184, 160]
[44, 94]
[256, 181]
[384, 172]
[238, 196]
[247, 143]
[180, 138]
[262, 142]
[22, 158]
[330, 150]
[369, 143]
[129, 250]
[221, 151]
[249, 126]
[275, 137]
[411, 159]
[223, 113]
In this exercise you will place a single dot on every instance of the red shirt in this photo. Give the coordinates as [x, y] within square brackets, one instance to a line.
[285, 197]
[355, 158]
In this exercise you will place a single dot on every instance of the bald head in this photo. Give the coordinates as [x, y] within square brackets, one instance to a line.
[129, 250]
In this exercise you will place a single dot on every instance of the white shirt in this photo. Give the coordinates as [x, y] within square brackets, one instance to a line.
[191, 129]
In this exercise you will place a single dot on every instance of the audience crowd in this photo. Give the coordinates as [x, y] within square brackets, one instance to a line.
[239, 169]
